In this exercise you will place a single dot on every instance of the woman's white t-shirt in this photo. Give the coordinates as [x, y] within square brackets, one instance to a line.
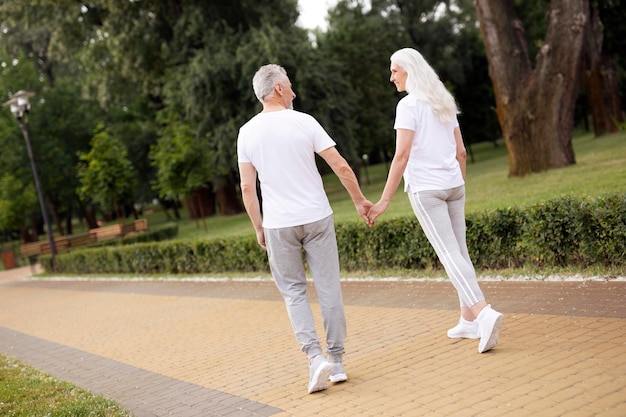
[281, 145]
[432, 162]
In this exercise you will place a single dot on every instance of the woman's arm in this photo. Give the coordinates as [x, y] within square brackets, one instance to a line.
[461, 153]
[404, 139]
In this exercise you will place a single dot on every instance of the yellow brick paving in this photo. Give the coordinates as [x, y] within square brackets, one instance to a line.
[399, 360]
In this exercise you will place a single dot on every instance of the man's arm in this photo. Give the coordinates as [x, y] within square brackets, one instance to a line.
[247, 173]
[342, 169]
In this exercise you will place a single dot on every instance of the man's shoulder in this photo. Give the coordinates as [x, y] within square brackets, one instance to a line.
[299, 114]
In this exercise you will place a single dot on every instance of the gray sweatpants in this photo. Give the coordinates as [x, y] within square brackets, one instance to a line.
[442, 217]
[284, 250]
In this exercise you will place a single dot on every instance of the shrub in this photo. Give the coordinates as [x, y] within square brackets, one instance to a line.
[562, 231]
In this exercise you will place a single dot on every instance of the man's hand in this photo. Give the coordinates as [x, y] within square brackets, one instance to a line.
[260, 238]
[363, 209]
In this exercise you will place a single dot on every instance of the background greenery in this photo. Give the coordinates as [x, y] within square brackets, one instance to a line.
[168, 81]
[549, 220]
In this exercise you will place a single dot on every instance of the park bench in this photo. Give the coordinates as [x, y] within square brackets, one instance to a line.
[94, 235]
[82, 239]
[141, 225]
[60, 243]
[30, 249]
[113, 231]
[120, 230]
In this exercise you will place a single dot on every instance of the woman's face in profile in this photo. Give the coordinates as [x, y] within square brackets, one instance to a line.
[398, 77]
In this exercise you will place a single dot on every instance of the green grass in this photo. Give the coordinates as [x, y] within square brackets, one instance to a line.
[26, 392]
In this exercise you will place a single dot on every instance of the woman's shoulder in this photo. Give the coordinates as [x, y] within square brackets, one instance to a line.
[414, 100]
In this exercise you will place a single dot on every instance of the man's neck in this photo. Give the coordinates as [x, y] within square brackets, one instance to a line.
[272, 105]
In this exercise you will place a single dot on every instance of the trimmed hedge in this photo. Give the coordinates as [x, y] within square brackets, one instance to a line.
[563, 231]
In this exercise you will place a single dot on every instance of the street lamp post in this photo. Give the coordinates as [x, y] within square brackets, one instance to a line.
[20, 108]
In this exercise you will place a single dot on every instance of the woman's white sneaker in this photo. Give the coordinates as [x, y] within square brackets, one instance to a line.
[489, 325]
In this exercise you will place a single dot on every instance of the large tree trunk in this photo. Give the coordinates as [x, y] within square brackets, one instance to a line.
[535, 106]
[599, 80]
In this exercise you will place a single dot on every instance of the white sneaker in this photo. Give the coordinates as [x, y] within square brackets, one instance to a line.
[319, 371]
[338, 374]
[464, 330]
[489, 325]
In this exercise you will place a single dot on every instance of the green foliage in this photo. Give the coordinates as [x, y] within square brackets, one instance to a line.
[15, 73]
[16, 200]
[396, 243]
[172, 257]
[493, 236]
[569, 231]
[105, 173]
[563, 231]
[182, 163]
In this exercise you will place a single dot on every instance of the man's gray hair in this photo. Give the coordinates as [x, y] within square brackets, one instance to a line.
[266, 78]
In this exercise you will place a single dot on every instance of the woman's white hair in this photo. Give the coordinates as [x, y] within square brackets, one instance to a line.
[266, 78]
[421, 77]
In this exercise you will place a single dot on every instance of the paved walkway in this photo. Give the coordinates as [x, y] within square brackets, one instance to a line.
[220, 348]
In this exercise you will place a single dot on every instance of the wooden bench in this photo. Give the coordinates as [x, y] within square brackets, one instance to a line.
[30, 249]
[60, 243]
[113, 231]
[94, 235]
[83, 239]
[141, 225]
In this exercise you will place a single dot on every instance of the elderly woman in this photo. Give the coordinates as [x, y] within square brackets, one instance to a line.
[431, 156]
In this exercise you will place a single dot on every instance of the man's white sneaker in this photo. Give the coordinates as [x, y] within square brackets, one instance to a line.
[464, 330]
[319, 371]
[489, 325]
[338, 374]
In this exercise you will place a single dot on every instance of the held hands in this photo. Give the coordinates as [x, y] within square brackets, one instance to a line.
[369, 212]
[375, 211]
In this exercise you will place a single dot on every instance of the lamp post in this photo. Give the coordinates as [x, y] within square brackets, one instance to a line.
[20, 108]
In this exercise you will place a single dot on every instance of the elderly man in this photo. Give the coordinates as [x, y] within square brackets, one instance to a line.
[279, 145]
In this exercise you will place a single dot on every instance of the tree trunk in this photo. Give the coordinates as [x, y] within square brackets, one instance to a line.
[228, 197]
[600, 81]
[611, 88]
[201, 203]
[55, 215]
[89, 212]
[535, 106]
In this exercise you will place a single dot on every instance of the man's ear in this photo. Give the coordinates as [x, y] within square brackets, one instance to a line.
[278, 88]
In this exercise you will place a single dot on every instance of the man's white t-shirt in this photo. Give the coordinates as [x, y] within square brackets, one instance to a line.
[432, 162]
[281, 145]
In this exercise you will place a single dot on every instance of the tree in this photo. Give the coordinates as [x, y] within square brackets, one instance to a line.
[535, 106]
[16, 200]
[183, 166]
[601, 63]
[105, 173]
[45, 37]
[359, 41]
